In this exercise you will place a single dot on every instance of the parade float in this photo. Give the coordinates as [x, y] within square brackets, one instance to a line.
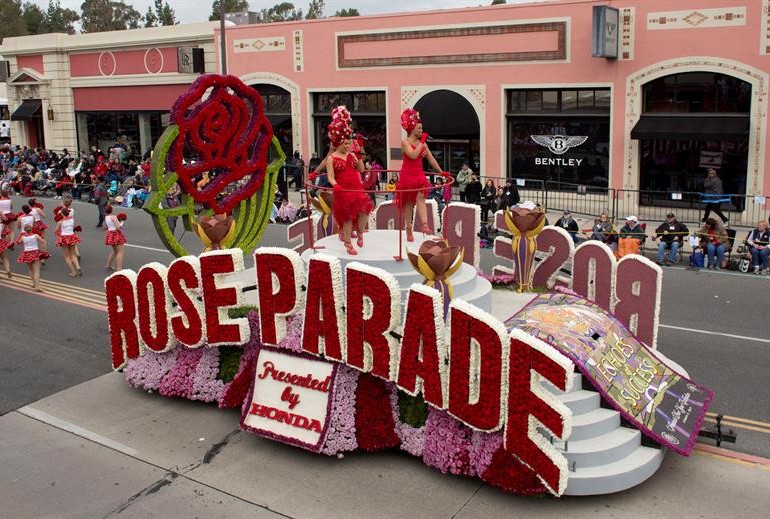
[554, 387]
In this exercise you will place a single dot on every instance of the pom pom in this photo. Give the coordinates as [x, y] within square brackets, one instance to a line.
[122, 217]
[78, 228]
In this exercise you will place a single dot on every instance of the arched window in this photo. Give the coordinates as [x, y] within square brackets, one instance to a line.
[697, 92]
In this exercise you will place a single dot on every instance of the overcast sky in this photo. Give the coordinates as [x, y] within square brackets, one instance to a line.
[189, 11]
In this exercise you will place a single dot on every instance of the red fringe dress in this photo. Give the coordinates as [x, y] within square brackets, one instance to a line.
[31, 252]
[350, 200]
[113, 236]
[67, 236]
[411, 177]
[5, 243]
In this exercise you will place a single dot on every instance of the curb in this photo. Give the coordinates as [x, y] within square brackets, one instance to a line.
[732, 455]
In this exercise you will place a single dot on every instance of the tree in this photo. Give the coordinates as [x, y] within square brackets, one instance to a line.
[108, 15]
[498, 2]
[165, 14]
[60, 19]
[34, 17]
[315, 10]
[150, 20]
[12, 22]
[347, 12]
[231, 6]
[282, 12]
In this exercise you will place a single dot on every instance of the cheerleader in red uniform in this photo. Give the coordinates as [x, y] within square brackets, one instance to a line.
[6, 242]
[66, 203]
[27, 219]
[31, 254]
[68, 241]
[114, 238]
[344, 174]
[412, 176]
[6, 208]
[39, 214]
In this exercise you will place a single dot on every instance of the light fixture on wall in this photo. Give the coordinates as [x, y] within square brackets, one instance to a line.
[50, 113]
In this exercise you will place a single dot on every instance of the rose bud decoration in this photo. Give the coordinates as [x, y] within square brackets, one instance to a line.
[323, 202]
[525, 222]
[437, 261]
[214, 230]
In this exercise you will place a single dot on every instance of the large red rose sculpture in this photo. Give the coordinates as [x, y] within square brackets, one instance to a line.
[225, 133]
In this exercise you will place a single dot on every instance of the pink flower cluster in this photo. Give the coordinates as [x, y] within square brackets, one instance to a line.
[147, 371]
[447, 444]
[412, 438]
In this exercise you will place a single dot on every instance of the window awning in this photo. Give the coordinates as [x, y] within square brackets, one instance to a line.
[28, 108]
[692, 128]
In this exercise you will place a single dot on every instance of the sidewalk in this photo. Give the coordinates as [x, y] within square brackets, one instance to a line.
[103, 449]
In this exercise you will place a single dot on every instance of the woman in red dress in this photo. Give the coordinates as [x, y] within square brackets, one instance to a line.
[32, 254]
[114, 238]
[344, 174]
[68, 241]
[412, 177]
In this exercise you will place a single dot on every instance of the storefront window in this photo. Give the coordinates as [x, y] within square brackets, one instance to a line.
[678, 108]
[574, 115]
[368, 111]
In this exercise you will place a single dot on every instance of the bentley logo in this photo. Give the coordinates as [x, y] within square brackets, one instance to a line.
[559, 144]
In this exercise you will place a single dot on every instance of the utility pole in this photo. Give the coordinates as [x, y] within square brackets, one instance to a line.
[222, 37]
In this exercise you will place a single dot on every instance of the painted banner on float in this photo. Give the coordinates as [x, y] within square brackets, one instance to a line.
[662, 403]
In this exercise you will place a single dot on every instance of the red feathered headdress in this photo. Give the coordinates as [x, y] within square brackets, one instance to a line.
[409, 119]
[339, 132]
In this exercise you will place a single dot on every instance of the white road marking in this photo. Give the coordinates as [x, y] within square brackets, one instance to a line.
[76, 430]
[147, 248]
[707, 332]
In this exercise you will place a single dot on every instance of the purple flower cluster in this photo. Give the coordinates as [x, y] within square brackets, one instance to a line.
[412, 438]
[341, 435]
[205, 385]
[179, 381]
[147, 371]
[293, 339]
[483, 447]
[447, 443]
[501, 279]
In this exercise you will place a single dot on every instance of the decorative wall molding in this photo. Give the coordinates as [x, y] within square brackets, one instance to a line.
[559, 53]
[299, 58]
[697, 18]
[153, 61]
[107, 63]
[758, 115]
[764, 28]
[627, 22]
[269, 44]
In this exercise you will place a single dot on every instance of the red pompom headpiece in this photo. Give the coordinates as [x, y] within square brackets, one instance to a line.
[410, 118]
[341, 112]
[339, 132]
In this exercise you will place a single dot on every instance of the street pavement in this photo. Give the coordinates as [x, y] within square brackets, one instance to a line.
[86, 445]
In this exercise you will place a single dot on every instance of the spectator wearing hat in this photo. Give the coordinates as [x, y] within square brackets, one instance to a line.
[569, 224]
[630, 237]
[671, 234]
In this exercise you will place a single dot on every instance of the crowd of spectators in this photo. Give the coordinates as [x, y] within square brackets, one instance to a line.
[36, 171]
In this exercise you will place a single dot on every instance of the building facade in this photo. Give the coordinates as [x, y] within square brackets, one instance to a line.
[514, 90]
[84, 90]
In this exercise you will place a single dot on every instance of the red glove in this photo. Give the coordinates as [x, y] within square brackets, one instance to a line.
[337, 188]
[312, 176]
[424, 137]
[446, 174]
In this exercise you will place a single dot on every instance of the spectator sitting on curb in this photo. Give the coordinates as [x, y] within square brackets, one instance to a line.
[569, 224]
[714, 235]
[759, 241]
[671, 234]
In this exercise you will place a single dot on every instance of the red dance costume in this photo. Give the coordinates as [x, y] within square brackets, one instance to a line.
[5, 232]
[39, 227]
[67, 234]
[350, 200]
[31, 252]
[413, 177]
[113, 236]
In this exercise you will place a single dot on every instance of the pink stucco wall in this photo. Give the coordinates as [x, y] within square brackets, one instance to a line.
[125, 62]
[320, 53]
[128, 98]
[31, 61]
